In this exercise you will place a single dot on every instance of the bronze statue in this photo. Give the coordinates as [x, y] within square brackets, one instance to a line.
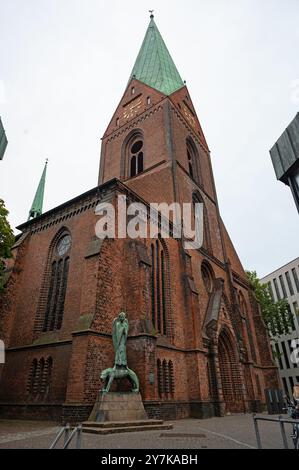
[120, 369]
[119, 334]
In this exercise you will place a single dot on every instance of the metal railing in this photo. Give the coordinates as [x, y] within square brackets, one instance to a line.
[279, 420]
[68, 434]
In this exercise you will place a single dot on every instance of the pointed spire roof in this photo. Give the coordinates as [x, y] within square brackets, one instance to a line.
[154, 65]
[37, 205]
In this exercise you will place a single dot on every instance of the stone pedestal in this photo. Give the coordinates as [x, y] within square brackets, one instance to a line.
[116, 412]
[118, 406]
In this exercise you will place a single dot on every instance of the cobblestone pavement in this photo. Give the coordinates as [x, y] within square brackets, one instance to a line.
[230, 432]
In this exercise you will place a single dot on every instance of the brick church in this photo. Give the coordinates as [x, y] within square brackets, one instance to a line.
[196, 340]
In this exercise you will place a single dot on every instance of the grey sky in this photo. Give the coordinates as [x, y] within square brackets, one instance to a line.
[63, 69]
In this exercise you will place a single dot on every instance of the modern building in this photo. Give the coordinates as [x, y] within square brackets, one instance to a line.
[285, 158]
[3, 140]
[284, 284]
[196, 340]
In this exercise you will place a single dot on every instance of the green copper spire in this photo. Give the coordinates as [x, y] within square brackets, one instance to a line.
[154, 65]
[37, 205]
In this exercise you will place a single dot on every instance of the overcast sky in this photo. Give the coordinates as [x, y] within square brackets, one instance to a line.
[64, 65]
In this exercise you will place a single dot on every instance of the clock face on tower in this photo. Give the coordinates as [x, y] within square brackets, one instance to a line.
[131, 109]
[190, 118]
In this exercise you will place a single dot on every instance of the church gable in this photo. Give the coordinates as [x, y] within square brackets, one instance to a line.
[137, 99]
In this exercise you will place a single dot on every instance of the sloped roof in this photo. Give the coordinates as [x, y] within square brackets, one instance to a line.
[37, 205]
[154, 65]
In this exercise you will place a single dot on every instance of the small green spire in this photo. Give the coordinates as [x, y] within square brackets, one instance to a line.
[37, 205]
[154, 65]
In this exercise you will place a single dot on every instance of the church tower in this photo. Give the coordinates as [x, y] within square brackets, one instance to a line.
[157, 110]
[154, 142]
[155, 145]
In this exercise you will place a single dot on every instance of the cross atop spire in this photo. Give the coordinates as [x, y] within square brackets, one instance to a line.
[154, 65]
[37, 205]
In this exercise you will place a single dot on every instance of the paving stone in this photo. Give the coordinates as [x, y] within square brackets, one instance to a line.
[230, 432]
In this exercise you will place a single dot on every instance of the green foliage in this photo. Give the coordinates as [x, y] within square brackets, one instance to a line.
[276, 315]
[6, 239]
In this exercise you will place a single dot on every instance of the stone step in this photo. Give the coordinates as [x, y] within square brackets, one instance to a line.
[122, 415]
[114, 424]
[114, 430]
[122, 405]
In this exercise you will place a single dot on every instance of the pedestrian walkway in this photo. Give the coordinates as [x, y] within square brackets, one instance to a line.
[230, 432]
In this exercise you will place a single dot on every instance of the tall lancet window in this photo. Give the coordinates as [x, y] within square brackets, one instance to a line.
[207, 244]
[59, 268]
[193, 161]
[190, 163]
[136, 157]
[159, 287]
[132, 155]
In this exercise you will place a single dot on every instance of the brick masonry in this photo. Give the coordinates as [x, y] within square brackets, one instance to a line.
[213, 348]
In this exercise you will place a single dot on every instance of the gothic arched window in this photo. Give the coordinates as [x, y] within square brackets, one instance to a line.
[136, 157]
[193, 160]
[57, 283]
[207, 276]
[190, 163]
[207, 245]
[132, 155]
[159, 278]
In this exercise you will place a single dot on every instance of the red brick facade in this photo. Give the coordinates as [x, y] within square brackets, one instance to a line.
[210, 352]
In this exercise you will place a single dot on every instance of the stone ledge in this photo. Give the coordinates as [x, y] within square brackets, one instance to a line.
[114, 424]
[125, 427]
